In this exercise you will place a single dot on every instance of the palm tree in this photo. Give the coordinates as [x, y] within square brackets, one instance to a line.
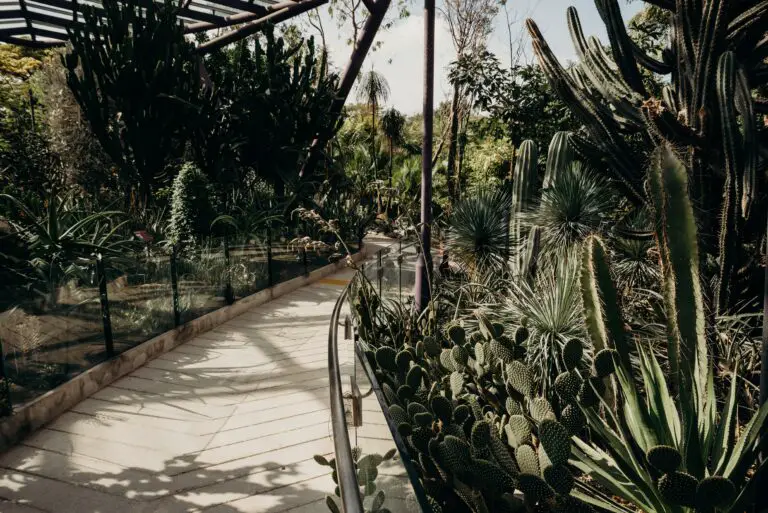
[373, 90]
[392, 123]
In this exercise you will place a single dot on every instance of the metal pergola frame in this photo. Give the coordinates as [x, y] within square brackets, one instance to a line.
[44, 23]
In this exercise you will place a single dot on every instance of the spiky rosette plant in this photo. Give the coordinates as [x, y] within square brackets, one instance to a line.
[673, 449]
[478, 236]
[549, 310]
[575, 204]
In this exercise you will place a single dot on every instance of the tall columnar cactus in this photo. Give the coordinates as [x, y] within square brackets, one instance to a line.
[715, 63]
[559, 158]
[681, 455]
[524, 188]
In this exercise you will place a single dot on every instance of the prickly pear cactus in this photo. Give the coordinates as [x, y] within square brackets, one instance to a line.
[469, 412]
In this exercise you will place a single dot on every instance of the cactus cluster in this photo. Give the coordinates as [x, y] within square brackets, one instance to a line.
[560, 156]
[367, 469]
[681, 453]
[484, 439]
[468, 410]
[708, 108]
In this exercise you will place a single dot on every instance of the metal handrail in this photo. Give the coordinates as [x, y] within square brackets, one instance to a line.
[345, 464]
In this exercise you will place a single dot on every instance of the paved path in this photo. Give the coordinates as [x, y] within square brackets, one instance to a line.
[226, 423]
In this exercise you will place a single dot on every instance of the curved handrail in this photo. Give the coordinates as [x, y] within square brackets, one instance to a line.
[345, 464]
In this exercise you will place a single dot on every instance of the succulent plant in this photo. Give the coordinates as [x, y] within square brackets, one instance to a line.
[658, 453]
[366, 467]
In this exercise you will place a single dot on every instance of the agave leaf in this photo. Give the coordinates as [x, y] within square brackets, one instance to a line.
[663, 413]
[708, 418]
[618, 445]
[743, 454]
[590, 495]
[723, 443]
[599, 465]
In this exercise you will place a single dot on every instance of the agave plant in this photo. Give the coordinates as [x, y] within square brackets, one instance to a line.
[478, 237]
[61, 240]
[548, 308]
[576, 204]
[672, 448]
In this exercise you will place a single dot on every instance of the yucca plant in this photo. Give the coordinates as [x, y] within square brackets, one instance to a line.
[478, 236]
[667, 445]
[576, 204]
[548, 308]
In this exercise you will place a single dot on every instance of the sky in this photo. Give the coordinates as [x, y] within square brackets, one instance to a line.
[400, 55]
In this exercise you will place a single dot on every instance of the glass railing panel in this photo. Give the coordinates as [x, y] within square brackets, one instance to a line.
[140, 297]
[374, 436]
[248, 266]
[51, 334]
[287, 261]
[202, 273]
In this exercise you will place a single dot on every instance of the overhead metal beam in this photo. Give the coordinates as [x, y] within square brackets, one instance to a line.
[255, 26]
[237, 19]
[28, 42]
[25, 12]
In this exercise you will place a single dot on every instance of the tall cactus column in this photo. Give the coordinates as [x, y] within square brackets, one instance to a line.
[524, 188]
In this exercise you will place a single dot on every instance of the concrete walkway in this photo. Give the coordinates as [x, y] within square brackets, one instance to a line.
[226, 423]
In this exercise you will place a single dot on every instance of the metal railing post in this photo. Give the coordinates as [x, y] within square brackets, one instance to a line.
[229, 292]
[270, 278]
[105, 317]
[175, 287]
[6, 404]
[400, 270]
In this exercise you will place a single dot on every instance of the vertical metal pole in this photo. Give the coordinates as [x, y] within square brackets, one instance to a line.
[229, 292]
[270, 279]
[304, 256]
[105, 317]
[380, 272]
[424, 264]
[175, 287]
[6, 404]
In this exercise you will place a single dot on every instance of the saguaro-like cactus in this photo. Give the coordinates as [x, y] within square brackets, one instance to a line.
[559, 158]
[524, 190]
[715, 62]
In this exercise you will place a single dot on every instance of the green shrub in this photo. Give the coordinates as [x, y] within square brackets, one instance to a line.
[193, 206]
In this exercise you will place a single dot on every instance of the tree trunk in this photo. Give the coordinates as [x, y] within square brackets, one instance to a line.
[453, 145]
[422, 292]
[460, 167]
